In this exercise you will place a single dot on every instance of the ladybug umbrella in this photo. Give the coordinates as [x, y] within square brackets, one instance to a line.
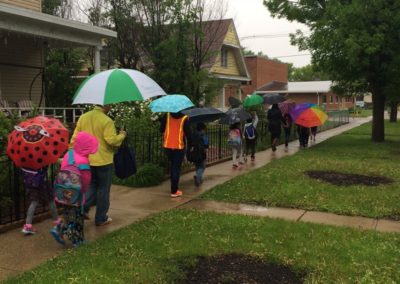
[37, 142]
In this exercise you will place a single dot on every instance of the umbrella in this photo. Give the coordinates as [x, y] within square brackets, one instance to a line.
[273, 99]
[308, 115]
[252, 100]
[286, 106]
[116, 86]
[37, 142]
[171, 103]
[203, 114]
[235, 115]
[234, 102]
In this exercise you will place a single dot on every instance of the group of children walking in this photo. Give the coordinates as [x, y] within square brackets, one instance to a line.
[67, 193]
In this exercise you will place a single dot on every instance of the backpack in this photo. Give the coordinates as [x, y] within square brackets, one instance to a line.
[234, 138]
[68, 183]
[250, 132]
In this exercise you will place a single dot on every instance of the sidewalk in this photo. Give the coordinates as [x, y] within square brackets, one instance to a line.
[21, 253]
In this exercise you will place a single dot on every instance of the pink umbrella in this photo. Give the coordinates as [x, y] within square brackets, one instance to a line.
[286, 106]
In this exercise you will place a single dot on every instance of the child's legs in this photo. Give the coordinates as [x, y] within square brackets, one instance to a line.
[200, 168]
[253, 148]
[31, 211]
[53, 210]
[234, 155]
[72, 225]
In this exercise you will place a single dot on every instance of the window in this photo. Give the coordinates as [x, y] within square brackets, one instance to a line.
[331, 99]
[324, 99]
[224, 57]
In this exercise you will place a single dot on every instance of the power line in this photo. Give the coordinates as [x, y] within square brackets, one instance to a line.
[293, 55]
[269, 35]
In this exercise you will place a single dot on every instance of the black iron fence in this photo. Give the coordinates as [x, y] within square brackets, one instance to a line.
[148, 147]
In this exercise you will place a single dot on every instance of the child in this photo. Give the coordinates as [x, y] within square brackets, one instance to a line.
[235, 141]
[287, 126]
[304, 133]
[73, 217]
[250, 136]
[313, 131]
[37, 189]
[199, 144]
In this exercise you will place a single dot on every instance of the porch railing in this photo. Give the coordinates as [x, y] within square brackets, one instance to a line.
[65, 114]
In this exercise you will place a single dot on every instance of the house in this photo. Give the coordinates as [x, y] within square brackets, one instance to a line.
[25, 32]
[226, 61]
[317, 92]
[262, 71]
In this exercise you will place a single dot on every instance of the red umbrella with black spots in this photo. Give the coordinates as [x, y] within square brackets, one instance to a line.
[37, 142]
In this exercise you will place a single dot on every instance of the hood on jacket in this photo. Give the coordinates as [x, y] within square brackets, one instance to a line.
[85, 144]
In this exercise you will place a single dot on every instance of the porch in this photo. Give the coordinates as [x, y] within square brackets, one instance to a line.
[24, 36]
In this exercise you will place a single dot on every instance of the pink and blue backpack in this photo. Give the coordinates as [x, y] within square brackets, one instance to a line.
[68, 183]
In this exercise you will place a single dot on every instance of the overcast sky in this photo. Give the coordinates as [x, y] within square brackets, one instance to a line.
[252, 18]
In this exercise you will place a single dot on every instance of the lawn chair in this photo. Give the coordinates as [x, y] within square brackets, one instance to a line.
[25, 107]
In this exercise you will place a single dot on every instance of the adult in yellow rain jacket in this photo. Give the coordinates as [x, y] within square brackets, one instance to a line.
[176, 128]
[97, 123]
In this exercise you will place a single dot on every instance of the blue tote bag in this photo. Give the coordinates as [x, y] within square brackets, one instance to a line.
[125, 161]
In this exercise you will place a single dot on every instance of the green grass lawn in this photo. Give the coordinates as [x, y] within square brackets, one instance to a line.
[160, 249]
[283, 182]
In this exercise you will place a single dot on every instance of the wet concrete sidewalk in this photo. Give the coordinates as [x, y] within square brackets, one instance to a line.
[381, 225]
[20, 253]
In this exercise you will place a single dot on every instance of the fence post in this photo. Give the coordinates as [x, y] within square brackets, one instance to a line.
[219, 141]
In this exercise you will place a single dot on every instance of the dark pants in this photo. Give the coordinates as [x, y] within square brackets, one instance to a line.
[304, 133]
[251, 147]
[99, 192]
[175, 158]
[287, 135]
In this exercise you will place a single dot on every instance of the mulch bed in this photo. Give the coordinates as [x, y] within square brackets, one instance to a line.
[345, 179]
[238, 268]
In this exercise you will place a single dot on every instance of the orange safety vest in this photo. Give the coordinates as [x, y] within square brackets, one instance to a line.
[173, 134]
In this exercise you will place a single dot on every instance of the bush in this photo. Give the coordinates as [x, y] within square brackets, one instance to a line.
[147, 175]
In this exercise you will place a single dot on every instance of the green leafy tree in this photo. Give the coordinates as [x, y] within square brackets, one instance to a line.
[306, 73]
[61, 65]
[351, 41]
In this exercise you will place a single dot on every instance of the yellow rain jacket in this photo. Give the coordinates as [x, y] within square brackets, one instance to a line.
[97, 123]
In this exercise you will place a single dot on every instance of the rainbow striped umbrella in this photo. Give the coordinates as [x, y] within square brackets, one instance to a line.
[308, 115]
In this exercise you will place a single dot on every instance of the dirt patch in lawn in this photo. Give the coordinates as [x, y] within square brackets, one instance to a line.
[345, 179]
[237, 268]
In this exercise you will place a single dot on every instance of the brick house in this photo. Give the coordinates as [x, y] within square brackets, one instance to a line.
[317, 92]
[226, 61]
[262, 71]
[24, 34]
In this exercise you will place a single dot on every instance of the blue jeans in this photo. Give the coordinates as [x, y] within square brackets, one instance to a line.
[99, 192]
[176, 158]
[200, 168]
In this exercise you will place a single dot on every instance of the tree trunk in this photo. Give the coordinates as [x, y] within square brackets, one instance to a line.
[393, 111]
[378, 121]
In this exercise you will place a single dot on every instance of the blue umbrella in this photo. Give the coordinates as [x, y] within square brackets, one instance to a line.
[171, 103]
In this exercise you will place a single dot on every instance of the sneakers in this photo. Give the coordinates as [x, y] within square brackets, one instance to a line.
[178, 193]
[57, 236]
[106, 222]
[196, 182]
[28, 229]
[253, 159]
[234, 166]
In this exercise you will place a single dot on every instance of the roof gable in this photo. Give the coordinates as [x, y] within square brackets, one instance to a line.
[222, 34]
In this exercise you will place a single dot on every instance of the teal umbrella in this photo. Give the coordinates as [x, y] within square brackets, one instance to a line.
[171, 103]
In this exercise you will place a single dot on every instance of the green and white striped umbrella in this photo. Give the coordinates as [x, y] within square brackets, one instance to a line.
[116, 86]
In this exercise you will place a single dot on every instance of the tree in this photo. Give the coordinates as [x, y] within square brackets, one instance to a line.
[306, 73]
[351, 41]
[61, 64]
